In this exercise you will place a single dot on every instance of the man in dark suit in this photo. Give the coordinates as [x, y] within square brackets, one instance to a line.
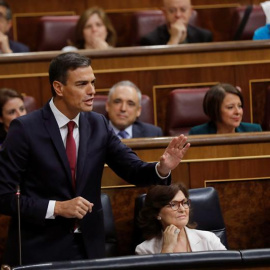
[60, 206]
[177, 29]
[7, 45]
[124, 108]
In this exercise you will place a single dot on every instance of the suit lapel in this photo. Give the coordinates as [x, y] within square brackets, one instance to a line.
[193, 239]
[85, 133]
[137, 131]
[54, 133]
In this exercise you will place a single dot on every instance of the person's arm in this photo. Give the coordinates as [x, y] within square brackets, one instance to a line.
[4, 43]
[178, 33]
[173, 155]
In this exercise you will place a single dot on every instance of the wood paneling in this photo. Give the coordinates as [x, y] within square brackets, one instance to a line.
[157, 71]
[26, 16]
[211, 158]
[245, 206]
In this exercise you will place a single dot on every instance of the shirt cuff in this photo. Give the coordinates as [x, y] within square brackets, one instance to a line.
[50, 210]
[161, 177]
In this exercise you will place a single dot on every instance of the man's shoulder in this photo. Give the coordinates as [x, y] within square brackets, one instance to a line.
[198, 34]
[146, 129]
[18, 47]
[159, 36]
[206, 128]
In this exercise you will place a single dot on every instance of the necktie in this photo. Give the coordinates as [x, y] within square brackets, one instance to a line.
[123, 134]
[71, 150]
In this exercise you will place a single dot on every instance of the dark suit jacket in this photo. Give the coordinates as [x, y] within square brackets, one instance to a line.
[142, 130]
[210, 128]
[33, 155]
[18, 47]
[160, 36]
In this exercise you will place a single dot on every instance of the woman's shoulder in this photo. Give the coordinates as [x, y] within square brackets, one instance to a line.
[151, 246]
[206, 128]
[244, 127]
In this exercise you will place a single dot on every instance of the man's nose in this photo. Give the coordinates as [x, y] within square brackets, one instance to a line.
[91, 89]
[123, 106]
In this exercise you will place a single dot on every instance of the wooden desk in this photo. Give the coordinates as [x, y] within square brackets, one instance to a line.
[237, 165]
[157, 70]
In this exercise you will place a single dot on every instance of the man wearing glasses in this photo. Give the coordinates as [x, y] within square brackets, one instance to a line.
[7, 45]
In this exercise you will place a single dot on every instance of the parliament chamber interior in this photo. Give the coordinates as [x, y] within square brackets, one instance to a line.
[235, 165]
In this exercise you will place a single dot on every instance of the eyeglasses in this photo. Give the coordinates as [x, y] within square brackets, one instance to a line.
[175, 205]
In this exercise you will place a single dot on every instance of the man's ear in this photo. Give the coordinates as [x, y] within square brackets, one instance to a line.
[139, 111]
[107, 106]
[58, 88]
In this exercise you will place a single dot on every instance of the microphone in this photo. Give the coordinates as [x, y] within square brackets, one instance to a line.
[18, 194]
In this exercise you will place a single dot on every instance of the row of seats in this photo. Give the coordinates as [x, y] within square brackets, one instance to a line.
[203, 202]
[184, 109]
[55, 31]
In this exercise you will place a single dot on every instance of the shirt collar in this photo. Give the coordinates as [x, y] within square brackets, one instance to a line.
[128, 130]
[61, 119]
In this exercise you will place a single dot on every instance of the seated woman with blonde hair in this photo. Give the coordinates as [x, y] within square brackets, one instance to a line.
[164, 220]
[94, 30]
[223, 104]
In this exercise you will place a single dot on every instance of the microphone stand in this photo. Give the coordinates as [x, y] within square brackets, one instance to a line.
[18, 193]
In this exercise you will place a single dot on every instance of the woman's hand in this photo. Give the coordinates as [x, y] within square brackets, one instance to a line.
[170, 236]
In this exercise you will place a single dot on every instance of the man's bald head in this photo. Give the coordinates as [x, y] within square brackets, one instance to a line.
[177, 10]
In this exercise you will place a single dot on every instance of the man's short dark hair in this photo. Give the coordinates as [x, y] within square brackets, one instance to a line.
[9, 12]
[61, 64]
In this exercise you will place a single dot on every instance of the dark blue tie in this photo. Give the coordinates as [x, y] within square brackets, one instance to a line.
[123, 134]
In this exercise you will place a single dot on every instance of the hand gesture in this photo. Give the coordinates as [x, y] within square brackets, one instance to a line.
[75, 208]
[170, 236]
[4, 43]
[178, 32]
[98, 43]
[173, 154]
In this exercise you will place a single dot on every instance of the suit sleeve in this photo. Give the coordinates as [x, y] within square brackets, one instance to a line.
[126, 164]
[14, 157]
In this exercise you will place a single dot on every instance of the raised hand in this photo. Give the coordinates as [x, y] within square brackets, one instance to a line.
[173, 154]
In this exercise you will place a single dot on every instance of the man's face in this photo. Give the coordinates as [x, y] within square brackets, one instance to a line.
[4, 23]
[175, 10]
[123, 107]
[78, 93]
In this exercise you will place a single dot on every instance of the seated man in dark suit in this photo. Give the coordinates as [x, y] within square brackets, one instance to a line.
[124, 107]
[177, 30]
[7, 45]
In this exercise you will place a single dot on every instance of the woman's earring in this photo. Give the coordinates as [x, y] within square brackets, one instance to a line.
[158, 217]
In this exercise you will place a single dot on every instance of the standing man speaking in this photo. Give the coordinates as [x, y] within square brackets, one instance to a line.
[57, 155]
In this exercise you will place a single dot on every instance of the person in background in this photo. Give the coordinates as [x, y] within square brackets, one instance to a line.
[11, 107]
[7, 45]
[57, 156]
[264, 31]
[164, 220]
[177, 29]
[223, 104]
[94, 30]
[124, 107]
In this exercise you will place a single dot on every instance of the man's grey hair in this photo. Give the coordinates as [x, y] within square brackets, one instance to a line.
[125, 83]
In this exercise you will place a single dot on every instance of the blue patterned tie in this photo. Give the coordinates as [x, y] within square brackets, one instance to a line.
[123, 134]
